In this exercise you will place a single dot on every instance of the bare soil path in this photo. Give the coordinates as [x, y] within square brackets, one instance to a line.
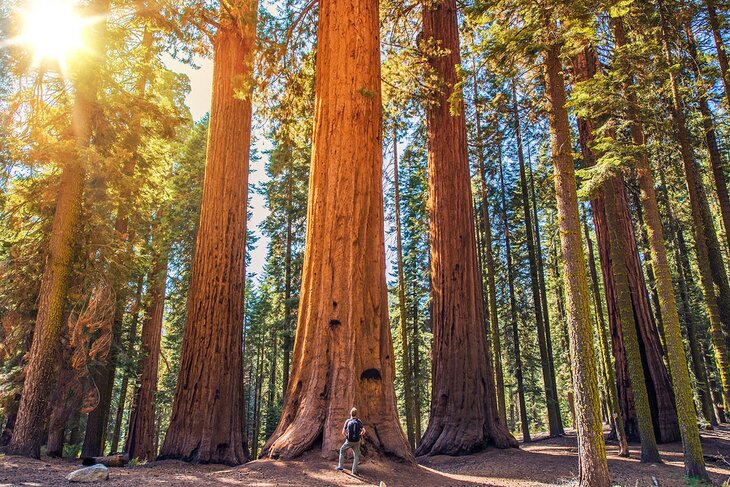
[544, 462]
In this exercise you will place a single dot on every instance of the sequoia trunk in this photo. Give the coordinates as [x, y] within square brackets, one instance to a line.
[207, 415]
[343, 353]
[464, 416]
[649, 451]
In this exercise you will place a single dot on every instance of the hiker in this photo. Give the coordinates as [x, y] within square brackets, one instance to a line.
[352, 431]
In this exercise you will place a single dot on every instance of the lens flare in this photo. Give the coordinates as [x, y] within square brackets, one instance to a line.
[53, 30]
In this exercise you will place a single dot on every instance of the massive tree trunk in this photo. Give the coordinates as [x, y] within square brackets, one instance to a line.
[524, 423]
[464, 416]
[649, 451]
[39, 376]
[402, 325]
[593, 467]
[207, 414]
[140, 437]
[658, 383]
[343, 353]
[555, 423]
[491, 277]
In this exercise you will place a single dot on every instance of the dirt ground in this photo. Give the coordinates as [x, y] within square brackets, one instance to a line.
[543, 462]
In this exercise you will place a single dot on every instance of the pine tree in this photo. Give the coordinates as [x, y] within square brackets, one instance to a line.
[28, 432]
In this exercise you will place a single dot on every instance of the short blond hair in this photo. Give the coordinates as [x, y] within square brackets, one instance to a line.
[353, 412]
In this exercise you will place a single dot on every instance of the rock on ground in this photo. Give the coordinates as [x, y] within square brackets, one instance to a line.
[89, 474]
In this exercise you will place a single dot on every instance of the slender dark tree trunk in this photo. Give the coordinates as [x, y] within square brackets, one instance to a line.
[118, 275]
[717, 164]
[288, 318]
[609, 374]
[692, 324]
[524, 423]
[131, 339]
[541, 280]
[491, 272]
[415, 344]
[343, 353]
[705, 238]
[402, 325]
[555, 423]
[140, 437]
[207, 414]
[719, 45]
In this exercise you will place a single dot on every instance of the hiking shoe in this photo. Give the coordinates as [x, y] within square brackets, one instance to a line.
[340, 469]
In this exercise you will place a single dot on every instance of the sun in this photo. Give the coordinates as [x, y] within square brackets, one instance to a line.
[53, 30]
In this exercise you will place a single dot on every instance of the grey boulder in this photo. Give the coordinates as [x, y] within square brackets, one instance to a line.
[89, 474]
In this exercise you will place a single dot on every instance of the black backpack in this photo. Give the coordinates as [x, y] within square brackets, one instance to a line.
[354, 429]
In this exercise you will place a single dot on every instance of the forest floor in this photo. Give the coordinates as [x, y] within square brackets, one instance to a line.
[543, 462]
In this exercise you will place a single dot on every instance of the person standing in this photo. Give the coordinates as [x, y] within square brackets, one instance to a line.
[353, 431]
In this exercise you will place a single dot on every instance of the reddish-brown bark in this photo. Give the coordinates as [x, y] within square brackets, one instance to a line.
[343, 353]
[207, 415]
[464, 415]
[659, 386]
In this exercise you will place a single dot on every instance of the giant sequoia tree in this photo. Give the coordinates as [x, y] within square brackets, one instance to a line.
[343, 353]
[464, 414]
[206, 424]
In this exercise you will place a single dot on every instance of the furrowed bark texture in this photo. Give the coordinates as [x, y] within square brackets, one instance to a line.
[207, 415]
[658, 383]
[649, 451]
[593, 467]
[464, 416]
[693, 459]
[343, 353]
